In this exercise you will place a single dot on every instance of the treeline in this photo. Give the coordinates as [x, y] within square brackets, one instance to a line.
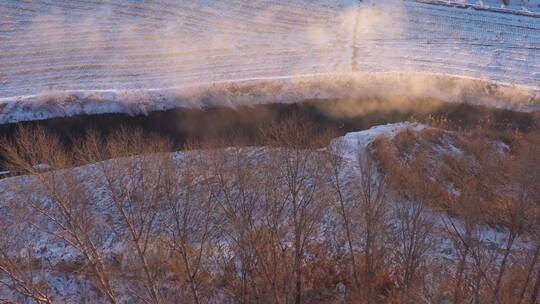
[242, 125]
[288, 223]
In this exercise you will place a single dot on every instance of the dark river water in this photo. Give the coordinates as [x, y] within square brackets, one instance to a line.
[244, 125]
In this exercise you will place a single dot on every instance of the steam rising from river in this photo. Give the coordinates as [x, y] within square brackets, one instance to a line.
[387, 91]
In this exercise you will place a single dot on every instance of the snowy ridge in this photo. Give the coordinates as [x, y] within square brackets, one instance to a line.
[354, 141]
[271, 90]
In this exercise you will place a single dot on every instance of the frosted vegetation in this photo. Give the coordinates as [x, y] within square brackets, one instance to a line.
[443, 211]
[395, 214]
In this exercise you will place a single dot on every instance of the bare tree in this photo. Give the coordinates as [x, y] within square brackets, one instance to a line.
[133, 180]
[469, 192]
[415, 227]
[273, 251]
[529, 201]
[374, 212]
[58, 202]
[530, 269]
[239, 196]
[535, 292]
[18, 272]
[515, 202]
[300, 173]
[340, 177]
[190, 201]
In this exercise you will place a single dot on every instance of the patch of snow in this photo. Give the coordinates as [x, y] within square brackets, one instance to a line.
[42, 167]
[354, 142]
[500, 146]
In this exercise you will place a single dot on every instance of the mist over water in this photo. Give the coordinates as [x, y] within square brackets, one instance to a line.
[396, 89]
[246, 125]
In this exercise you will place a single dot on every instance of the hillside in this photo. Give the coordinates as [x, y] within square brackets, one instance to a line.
[212, 220]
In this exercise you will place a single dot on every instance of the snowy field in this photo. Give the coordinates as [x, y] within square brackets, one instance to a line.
[523, 6]
[49, 47]
[502, 47]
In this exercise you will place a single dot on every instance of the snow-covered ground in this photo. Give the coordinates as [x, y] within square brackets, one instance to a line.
[46, 248]
[49, 47]
[444, 39]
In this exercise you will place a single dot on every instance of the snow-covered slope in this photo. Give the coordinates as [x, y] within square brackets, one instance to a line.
[43, 246]
[354, 141]
[113, 239]
[47, 247]
[57, 46]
